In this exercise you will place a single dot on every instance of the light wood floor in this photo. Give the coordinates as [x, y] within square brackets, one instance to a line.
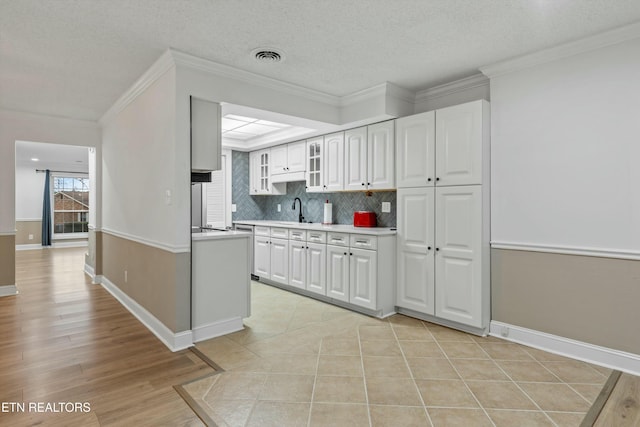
[63, 339]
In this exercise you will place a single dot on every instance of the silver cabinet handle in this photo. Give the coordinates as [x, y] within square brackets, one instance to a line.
[364, 242]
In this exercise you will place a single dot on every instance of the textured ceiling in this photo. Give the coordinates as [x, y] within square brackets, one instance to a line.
[74, 58]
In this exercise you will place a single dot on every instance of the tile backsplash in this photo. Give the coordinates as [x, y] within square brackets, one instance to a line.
[266, 207]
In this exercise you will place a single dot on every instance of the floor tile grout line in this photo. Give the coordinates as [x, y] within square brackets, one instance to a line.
[525, 393]
[415, 384]
[315, 380]
[465, 382]
[364, 375]
[558, 377]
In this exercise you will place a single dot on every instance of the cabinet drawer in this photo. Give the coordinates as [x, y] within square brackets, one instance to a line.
[261, 230]
[317, 236]
[280, 233]
[300, 235]
[363, 241]
[339, 239]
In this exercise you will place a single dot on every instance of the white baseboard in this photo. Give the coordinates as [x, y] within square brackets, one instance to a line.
[174, 341]
[76, 244]
[8, 290]
[28, 247]
[217, 329]
[603, 356]
[89, 271]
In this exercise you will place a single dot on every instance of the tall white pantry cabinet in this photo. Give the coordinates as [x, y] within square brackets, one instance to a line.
[442, 176]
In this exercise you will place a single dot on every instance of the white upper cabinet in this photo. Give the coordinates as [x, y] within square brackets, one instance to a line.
[458, 269]
[459, 143]
[334, 162]
[415, 148]
[260, 182]
[369, 159]
[288, 158]
[443, 147]
[315, 160]
[296, 159]
[381, 156]
[279, 159]
[206, 141]
[355, 159]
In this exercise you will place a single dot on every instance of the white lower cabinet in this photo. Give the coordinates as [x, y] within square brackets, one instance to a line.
[262, 256]
[280, 261]
[363, 271]
[298, 264]
[356, 269]
[316, 266]
[442, 263]
[338, 272]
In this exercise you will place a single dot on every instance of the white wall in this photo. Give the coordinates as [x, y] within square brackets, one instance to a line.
[29, 193]
[565, 152]
[140, 159]
[15, 126]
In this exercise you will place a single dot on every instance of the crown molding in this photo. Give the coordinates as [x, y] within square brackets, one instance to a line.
[587, 44]
[226, 71]
[161, 66]
[447, 89]
[378, 91]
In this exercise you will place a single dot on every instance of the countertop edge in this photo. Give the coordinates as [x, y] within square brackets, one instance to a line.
[337, 228]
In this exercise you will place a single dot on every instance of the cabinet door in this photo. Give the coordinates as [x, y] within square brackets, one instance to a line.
[206, 142]
[459, 144]
[415, 150]
[280, 261]
[363, 269]
[381, 156]
[296, 156]
[355, 159]
[317, 268]
[334, 162]
[416, 247]
[297, 264]
[262, 257]
[458, 258]
[279, 159]
[265, 172]
[315, 152]
[338, 272]
[254, 172]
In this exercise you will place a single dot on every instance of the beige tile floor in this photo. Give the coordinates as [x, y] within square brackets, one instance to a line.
[301, 362]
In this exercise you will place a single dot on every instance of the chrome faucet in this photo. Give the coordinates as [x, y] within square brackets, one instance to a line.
[300, 217]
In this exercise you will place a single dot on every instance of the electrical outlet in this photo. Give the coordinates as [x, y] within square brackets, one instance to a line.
[30, 236]
[386, 207]
[234, 207]
[505, 331]
[126, 279]
[279, 208]
[167, 197]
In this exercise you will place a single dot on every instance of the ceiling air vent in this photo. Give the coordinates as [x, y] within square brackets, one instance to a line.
[267, 55]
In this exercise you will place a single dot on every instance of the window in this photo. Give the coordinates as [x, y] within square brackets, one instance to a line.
[70, 204]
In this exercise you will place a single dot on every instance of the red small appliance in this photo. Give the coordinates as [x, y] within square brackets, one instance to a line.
[364, 219]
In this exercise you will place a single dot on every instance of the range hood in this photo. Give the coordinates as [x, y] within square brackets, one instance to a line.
[200, 177]
[288, 177]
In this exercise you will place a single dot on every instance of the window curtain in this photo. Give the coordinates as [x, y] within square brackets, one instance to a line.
[46, 211]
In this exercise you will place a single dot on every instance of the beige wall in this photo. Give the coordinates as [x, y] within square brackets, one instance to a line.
[24, 228]
[155, 278]
[585, 298]
[7, 260]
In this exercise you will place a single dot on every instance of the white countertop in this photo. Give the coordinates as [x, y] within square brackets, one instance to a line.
[219, 235]
[339, 228]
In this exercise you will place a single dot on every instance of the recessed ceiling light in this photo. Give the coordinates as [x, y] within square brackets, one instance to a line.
[35, 159]
[268, 54]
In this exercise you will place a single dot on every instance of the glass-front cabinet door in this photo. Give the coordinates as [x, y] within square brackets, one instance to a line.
[315, 151]
[264, 172]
